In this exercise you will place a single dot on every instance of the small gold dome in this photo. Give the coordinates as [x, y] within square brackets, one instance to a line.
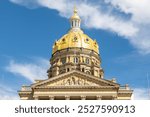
[75, 15]
[75, 37]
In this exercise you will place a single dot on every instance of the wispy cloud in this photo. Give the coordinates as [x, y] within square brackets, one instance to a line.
[30, 71]
[140, 18]
[7, 93]
[134, 25]
[141, 94]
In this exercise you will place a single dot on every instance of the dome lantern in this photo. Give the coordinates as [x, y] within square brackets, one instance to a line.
[75, 20]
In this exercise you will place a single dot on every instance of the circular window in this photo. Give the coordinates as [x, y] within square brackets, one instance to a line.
[87, 39]
[63, 39]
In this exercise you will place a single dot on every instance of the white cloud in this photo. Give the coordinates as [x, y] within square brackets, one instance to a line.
[7, 93]
[95, 18]
[31, 4]
[141, 94]
[139, 9]
[92, 16]
[30, 71]
[135, 28]
[140, 17]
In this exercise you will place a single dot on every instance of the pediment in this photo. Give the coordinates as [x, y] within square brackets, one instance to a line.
[74, 79]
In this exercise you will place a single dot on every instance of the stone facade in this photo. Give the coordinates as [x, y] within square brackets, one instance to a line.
[80, 59]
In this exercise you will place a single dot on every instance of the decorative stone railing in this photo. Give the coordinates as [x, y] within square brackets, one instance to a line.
[26, 88]
[126, 87]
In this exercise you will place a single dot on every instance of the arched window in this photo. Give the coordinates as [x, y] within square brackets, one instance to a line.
[76, 60]
[82, 69]
[68, 69]
[72, 23]
[75, 23]
[87, 61]
[63, 60]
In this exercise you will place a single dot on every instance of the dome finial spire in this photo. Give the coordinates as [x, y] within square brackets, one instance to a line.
[75, 9]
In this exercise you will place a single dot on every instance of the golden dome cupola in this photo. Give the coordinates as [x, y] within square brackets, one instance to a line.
[75, 20]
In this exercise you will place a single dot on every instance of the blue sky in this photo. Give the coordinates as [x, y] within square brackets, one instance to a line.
[29, 28]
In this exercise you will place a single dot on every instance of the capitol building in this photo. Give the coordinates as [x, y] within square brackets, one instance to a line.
[75, 71]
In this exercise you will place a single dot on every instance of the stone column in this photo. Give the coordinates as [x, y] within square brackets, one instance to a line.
[67, 97]
[81, 60]
[98, 97]
[83, 97]
[67, 59]
[51, 97]
[59, 62]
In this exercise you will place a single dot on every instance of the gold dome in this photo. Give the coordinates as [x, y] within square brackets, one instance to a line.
[75, 38]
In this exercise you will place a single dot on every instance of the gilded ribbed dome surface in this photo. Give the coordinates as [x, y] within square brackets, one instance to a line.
[75, 38]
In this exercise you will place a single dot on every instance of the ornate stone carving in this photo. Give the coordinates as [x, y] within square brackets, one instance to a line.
[73, 81]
